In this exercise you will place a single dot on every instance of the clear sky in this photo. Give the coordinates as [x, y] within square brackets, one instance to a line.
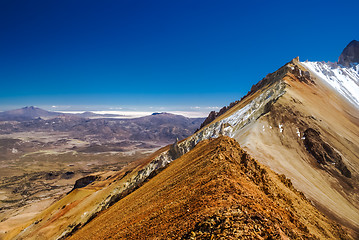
[180, 54]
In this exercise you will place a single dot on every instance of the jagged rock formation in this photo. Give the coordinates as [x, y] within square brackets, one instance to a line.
[350, 54]
[220, 192]
[213, 114]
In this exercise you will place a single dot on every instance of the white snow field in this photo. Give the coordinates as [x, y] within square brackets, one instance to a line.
[343, 79]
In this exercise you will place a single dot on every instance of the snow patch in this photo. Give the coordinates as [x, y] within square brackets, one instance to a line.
[280, 127]
[345, 80]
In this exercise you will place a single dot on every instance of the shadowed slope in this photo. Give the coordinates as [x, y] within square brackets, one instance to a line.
[217, 190]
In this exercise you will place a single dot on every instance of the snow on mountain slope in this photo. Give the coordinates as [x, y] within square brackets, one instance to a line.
[343, 79]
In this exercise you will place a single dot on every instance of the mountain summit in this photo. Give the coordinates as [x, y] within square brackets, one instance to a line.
[26, 113]
[350, 54]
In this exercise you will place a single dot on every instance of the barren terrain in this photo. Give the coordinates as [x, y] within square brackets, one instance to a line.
[215, 191]
[41, 159]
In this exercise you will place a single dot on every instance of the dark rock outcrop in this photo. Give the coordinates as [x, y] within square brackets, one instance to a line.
[175, 151]
[213, 114]
[350, 54]
[323, 152]
[303, 76]
[83, 182]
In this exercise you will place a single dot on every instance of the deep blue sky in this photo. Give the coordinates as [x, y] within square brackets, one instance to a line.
[159, 53]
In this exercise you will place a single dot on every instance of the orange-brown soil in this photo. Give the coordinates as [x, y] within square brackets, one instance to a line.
[277, 139]
[215, 191]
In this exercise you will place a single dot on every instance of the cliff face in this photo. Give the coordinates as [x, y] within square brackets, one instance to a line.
[350, 54]
[215, 191]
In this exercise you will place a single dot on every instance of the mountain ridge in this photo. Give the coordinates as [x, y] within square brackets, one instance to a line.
[220, 191]
[271, 124]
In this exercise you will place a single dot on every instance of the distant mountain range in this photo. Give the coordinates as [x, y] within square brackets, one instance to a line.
[28, 113]
[161, 128]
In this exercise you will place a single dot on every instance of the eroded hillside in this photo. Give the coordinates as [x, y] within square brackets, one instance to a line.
[216, 190]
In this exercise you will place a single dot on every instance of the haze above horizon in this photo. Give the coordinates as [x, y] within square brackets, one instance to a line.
[183, 55]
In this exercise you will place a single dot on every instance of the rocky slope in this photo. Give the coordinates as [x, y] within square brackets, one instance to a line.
[344, 80]
[215, 191]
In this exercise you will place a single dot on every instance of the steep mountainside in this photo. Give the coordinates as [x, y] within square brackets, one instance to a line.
[273, 123]
[215, 191]
[344, 80]
[293, 121]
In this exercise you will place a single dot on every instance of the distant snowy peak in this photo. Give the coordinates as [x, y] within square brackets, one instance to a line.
[345, 80]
